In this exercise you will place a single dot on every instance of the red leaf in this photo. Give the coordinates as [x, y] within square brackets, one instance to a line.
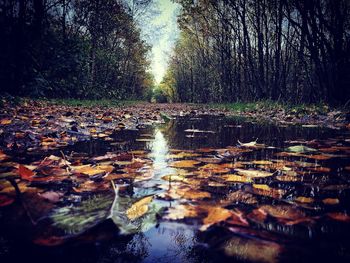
[25, 173]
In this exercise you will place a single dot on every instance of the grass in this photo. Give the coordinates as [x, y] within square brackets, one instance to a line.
[272, 105]
[91, 103]
[70, 102]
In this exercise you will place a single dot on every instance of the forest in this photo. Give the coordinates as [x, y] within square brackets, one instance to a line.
[72, 49]
[296, 51]
[228, 51]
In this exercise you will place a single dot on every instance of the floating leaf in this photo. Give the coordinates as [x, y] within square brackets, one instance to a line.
[330, 201]
[253, 173]
[194, 194]
[209, 160]
[215, 215]
[283, 211]
[139, 208]
[262, 187]
[184, 164]
[303, 199]
[343, 217]
[89, 170]
[239, 196]
[236, 178]
[5, 121]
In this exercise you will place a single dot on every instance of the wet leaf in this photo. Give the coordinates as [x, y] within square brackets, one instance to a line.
[253, 173]
[303, 199]
[215, 215]
[89, 170]
[139, 208]
[193, 194]
[283, 211]
[209, 160]
[251, 144]
[236, 178]
[330, 201]
[184, 164]
[5, 121]
[239, 196]
[262, 162]
[339, 216]
[25, 173]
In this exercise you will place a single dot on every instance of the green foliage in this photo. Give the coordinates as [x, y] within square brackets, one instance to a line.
[159, 95]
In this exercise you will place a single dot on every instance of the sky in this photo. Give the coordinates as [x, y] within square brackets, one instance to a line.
[160, 29]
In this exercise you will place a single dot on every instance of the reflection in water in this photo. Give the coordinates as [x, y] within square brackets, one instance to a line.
[159, 152]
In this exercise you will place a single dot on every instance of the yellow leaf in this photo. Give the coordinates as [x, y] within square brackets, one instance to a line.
[262, 162]
[303, 199]
[88, 170]
[139, 208]
[184, 164]
[236, 178]
[254, 173]
[5, 122]
[262, 187]
[215, 215]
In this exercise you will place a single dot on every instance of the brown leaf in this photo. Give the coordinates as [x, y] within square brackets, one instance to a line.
[215, 215]
[184, 164]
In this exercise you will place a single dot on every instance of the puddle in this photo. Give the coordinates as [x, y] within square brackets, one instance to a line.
[295, 207]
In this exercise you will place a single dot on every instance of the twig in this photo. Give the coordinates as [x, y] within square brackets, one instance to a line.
[68, 168]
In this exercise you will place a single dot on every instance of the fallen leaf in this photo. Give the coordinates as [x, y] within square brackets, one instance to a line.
[139, 208]
[215, 215]
[343, 217]
[236, 178]
[330, 201]
[303, 199]
[25, 173]
[253, 173]
[184, 164]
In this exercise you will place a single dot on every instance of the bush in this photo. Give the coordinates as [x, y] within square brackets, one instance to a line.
[159, 96]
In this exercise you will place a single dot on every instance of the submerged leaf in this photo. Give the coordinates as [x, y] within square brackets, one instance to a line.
[252, 250]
